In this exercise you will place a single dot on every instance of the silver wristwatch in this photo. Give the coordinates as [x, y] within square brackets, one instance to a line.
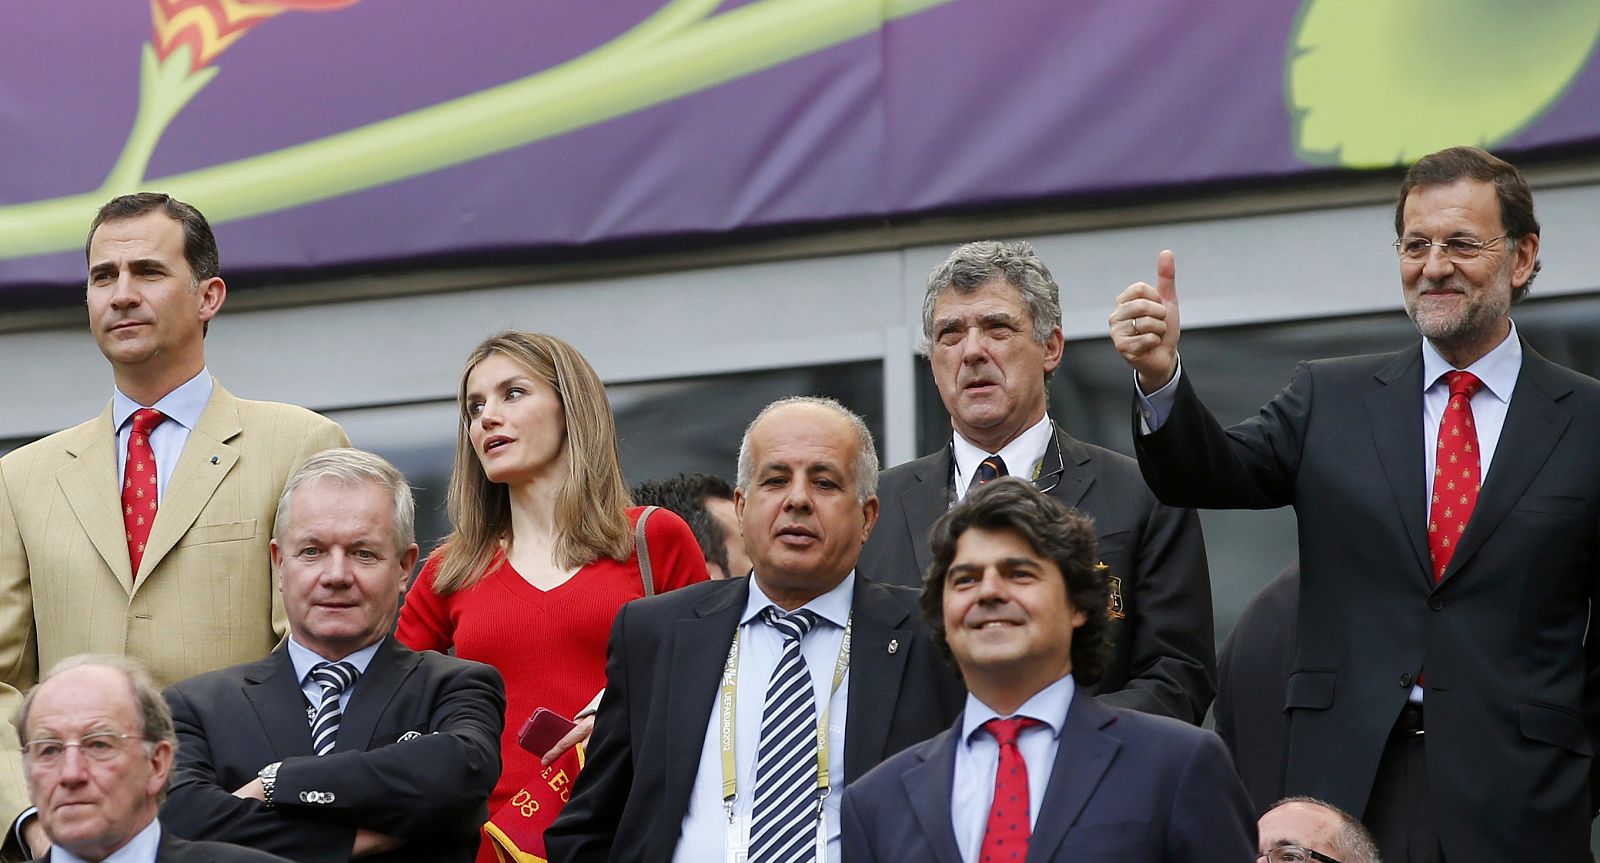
[269, 780]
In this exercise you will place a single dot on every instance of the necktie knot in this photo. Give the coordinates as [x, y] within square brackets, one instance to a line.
[146, 419]
[1005, 731]
[334, 677]
[990, 469]
[1463, 384]
[792, 626]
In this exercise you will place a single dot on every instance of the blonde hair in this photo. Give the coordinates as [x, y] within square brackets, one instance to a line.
[591, 507]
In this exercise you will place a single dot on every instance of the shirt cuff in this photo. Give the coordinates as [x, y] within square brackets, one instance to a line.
[1157, 406]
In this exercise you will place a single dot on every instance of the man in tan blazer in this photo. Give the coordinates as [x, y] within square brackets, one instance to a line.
[201, 595]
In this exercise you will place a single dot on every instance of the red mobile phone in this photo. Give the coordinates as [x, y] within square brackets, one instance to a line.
[543, 730]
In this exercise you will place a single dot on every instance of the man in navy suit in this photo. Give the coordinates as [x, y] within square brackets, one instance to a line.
[1033, 769]
[343, 743]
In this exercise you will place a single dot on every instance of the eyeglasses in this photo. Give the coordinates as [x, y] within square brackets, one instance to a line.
[1293, 854]
[1458, 249]
[96, 746]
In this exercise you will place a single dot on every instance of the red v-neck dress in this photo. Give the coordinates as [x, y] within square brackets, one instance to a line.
[549, 645]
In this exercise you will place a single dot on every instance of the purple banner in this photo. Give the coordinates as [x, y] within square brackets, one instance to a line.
[343, 132]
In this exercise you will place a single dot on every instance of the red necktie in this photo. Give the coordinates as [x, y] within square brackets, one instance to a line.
[139, 484]
[1006, 837]
[1456, 477]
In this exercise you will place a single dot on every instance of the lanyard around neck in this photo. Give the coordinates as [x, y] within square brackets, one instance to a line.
[728, 696]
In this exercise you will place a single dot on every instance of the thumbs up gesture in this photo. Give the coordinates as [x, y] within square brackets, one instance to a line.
[1144, 326]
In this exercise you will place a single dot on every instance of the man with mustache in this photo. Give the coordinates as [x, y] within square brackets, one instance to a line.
[143, 532]
[1448, 498]
[736, 710]
[991, 320]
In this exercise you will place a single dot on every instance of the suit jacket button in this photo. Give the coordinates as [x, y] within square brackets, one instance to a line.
[1436, 604]
[1405, 679]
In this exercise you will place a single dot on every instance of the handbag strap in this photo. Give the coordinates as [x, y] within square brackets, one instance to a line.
[643, 548]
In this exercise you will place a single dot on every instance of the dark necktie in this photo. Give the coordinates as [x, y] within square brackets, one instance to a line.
[991, 468]
[334, 678]
[783, 817]
[1005, 839]
[139, 484]
[1456, 474]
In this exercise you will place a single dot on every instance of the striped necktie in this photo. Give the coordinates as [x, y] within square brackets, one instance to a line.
[783, 818]
[334, 678]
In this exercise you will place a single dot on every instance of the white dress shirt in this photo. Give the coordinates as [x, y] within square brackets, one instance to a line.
[1022, 456]
[141, 848]
[304, 660]
[705, 826]
[978, 758]
[183, 407]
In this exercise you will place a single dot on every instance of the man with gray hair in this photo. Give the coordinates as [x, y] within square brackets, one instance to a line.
[991, 319]
[1305, 829]
[342, 744]
[97, 749]
[736, 710]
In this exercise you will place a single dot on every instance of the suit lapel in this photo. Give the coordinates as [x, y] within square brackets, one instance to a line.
[1075, 481]
[1534, 423]
[1394, 413]
[880, 637]
[1084, 753]
[699, 650]
[924, 501]
[928, 789]
[89, 483]
[280, 704]
[196, 476]
[376, 687]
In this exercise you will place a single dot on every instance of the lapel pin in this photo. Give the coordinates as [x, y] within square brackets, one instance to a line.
[894, 645]
[214, 459]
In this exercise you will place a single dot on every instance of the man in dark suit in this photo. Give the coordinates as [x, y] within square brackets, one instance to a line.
[1253, 669]
[991, 317]
[1033, 769]
[342, 744]
[97, 751]
[695, 671]
[1447, 497]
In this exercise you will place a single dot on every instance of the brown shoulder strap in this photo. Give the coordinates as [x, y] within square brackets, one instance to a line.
[643, 548]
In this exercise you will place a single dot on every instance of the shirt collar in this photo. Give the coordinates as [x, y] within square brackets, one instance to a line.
[304, 660]
[1049, 705]
[183, 405]
[1021, 456]
[833, 606]
[1497, 369]
[142, 847]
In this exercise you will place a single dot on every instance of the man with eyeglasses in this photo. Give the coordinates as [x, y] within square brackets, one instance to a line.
[1303, 829]
[991, 320]
[1448, 497]
[97, 750]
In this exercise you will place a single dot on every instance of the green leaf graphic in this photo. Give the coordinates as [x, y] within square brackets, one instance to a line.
[1374, 83]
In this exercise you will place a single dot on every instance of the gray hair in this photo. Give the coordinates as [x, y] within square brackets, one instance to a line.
[864, 468]
[155, 720]
[352, 466]
[975, 264]
[1352, 844]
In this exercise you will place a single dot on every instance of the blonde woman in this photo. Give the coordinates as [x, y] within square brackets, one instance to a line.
[540, 558]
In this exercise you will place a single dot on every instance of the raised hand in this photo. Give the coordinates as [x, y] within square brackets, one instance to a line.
[1144, 326]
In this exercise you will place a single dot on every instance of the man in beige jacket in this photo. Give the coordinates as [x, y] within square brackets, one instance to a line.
[144, 531]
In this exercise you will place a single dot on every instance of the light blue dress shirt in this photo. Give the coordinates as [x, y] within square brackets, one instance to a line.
[183, 407]
[304, 660]
[141, 848]
[978, 758]
[704, 836]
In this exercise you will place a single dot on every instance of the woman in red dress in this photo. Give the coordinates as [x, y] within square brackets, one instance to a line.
[541, 554]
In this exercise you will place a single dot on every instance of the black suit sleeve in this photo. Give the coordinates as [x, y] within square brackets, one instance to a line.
[413, 787]
[1192, 461]
[586, 828]
[198, 806]
[1172, 644]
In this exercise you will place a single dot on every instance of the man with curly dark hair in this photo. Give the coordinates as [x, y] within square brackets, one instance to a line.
[1032, 769]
